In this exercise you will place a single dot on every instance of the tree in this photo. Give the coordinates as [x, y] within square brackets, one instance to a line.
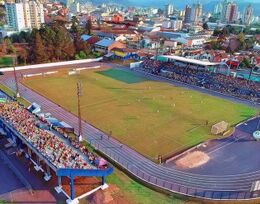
[80, 55]
[39, 49]
[8, 47]
[88, 27]
[225, 31]
[205, 26]
[246, 62]
[23, 55]
[213, 19]
[241, 39]
[216, 32]
[48, 36]
[75, 29]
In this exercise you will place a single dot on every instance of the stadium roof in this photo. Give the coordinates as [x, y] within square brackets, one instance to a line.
[191, 61]
[105, 42]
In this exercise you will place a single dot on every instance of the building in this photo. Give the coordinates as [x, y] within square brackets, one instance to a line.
[194, 41]
[248, 15]
[166, 24]
[176, 24]
[69, 3]
[15, 16]
[196, 13]
[187, 17]
[116, 18]
[124, 53]
[36, 13]
[75, 8]
[185, 39]
[105, 45]
[230, 12]
[168, 9]
[25, 15]
[218, 9]
[233, 13]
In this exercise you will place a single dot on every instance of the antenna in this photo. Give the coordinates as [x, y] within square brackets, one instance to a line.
[79, 94]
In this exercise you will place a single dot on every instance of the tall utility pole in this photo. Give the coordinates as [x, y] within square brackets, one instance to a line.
[258, 124]
[17, 94]
[79, 112]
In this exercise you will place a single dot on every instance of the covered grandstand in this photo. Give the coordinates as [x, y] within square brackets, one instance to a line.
[193, 63]
[48, 150]
[207, 75]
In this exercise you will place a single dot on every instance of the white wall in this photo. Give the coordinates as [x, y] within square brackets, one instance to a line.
[39, 66]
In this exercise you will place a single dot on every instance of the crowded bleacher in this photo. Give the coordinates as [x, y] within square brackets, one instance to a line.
[241, 88]
[56, 150]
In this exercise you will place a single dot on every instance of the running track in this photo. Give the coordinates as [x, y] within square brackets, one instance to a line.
[226, 187]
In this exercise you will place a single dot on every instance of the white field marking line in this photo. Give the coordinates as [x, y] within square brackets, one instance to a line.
[64, 193]
[229, 143]
[88, 193]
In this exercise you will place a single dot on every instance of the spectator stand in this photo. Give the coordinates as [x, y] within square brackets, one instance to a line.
[204, 75]
[42, 161]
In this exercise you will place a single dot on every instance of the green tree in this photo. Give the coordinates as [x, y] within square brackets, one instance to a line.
[48, 37]
[88, 27]
[80, 55]
[75, 28]
[23, 55]
[241, 39]
[205, 26]
[39, 49]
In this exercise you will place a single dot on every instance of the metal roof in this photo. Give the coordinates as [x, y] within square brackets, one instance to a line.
[191, 61]
[105, 42]
[85, 37]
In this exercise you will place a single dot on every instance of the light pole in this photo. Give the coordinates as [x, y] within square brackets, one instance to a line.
[79, 111]
[258, 124]
[17, 94]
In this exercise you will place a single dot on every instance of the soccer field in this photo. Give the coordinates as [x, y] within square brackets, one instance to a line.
[154, 118]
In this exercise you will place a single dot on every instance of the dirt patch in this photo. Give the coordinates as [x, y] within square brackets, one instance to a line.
[192, 160]
[81, 185]
[111, 195]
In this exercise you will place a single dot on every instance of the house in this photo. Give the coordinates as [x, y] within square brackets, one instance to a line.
[125, 53]
[106, 45]
[94, 39]
[256, 47]
[91, 40]
[104, 35]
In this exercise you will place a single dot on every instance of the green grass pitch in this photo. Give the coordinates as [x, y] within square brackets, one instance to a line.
[154, 118]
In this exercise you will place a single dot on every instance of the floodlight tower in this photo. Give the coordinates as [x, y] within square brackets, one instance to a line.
[79, 93]
[17, 94]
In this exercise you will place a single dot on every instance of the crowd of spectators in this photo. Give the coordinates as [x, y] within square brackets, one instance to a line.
[237, 87]
[46, 142]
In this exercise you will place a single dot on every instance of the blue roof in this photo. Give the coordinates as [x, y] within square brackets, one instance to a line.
[85, 37]
[105, 42]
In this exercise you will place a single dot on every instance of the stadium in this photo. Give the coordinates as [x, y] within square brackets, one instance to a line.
[157, 127]
[46, 147]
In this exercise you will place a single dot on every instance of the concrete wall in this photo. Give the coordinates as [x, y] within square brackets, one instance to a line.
[38, 66]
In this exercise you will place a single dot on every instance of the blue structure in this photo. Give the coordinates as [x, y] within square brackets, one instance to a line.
[85, 37]
[20, 141]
